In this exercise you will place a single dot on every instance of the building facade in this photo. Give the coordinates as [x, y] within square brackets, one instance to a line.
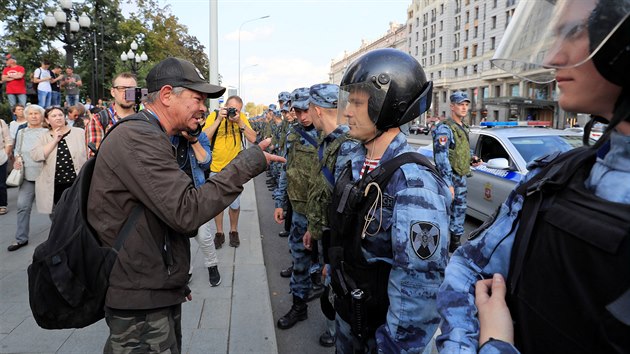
[454, 41]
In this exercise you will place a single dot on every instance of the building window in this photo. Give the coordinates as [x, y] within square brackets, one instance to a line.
[476, 13]
[492, 42]
[443, 96]
[475, 32]
[466, 35]
[467, 16]
[475, 69]
[441, 25]
[484, 92]
[465, 70]
[440, 58]
[514, 90]
[441, 9]
[440, 42]
[474, 50]
[456, 72]
[465, 54]
[440, 74]
[417, 36]
[494, 4]
[417, 21]
[416, 50]
[494, 22]
[497, 91]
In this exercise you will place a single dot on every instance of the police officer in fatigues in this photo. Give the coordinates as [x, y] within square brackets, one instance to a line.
[554, 261]
[388, 250]
[301, 157]
[287, 126]
[335, 142]
[452, 155]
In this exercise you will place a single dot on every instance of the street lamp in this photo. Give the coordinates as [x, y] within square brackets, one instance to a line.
[239, 48]
[240, 92]
[66, 17]
[136, 61]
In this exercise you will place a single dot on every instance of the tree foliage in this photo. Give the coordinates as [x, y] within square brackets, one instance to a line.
[97, 50]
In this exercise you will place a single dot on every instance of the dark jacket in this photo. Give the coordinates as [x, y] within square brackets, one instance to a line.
[136, 164]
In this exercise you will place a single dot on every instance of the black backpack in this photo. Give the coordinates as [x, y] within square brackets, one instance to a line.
[69, 276]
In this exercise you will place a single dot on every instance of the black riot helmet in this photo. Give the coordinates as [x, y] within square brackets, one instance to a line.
[396, 83]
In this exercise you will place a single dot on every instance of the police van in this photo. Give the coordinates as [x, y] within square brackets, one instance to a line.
[506, 148]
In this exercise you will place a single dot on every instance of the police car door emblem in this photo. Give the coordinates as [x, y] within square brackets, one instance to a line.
[425, 238]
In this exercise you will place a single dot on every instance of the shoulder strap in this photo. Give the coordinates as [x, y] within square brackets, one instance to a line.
[103, 117]
[549, 180]
[306, 136]
[336, 144]
[213, 138]
[382, 173]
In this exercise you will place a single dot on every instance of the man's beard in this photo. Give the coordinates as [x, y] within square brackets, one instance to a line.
[126, 105]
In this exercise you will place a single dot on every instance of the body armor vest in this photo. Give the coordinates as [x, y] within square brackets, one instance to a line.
[570, 276]
[459, 156]
[299, 168]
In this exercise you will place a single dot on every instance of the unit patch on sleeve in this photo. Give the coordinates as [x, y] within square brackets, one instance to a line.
[425, 238]
[443, 139]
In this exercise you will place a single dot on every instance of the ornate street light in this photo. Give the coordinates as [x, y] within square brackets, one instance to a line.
[71, 22]
[135, 60]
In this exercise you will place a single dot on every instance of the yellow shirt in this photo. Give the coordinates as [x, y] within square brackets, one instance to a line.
[228, 142]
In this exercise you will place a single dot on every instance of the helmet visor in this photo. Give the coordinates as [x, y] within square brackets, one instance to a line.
[360, 104]
[550, 34]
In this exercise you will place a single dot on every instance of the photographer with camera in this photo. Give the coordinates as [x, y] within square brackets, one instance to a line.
[101, 122]
[225, 128]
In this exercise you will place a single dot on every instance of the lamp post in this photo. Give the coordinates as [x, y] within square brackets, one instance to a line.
[136, 61]
[240, 91]
[239, 48]
[66, 17]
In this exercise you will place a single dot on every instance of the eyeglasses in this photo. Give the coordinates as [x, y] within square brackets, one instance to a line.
[122, 88]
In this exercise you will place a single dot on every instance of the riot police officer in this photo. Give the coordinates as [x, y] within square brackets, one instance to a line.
[451, 151]
[559, 246]
[388, 250]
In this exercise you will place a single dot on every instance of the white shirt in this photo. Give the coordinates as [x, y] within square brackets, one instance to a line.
[42, 74]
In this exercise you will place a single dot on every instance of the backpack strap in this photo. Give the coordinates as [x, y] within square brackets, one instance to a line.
[306, 137]
[128, 226]
[552, 178]
[103, 118]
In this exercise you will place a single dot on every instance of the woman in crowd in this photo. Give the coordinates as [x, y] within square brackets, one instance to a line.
[26, 139]
[20, 119]
[62, 151]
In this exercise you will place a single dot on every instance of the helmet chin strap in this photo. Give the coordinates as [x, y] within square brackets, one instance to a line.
[620, 114]
[378, 133]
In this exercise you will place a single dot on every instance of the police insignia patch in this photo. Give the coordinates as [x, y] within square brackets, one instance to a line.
[425, 238]
[443, 139]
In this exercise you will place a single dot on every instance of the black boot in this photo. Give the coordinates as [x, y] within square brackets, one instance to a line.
[286, 273]
[454, 243]
[283, 233]
[298, 312]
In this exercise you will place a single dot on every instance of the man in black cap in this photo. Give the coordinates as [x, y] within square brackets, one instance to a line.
[136, 173]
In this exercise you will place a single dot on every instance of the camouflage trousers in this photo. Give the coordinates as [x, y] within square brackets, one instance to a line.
[458, 208]
[158, 331]
[300, 279]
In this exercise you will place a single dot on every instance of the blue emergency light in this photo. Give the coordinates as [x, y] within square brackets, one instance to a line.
[528, 123]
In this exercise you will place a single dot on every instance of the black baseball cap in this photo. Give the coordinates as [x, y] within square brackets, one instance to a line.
[180, 73]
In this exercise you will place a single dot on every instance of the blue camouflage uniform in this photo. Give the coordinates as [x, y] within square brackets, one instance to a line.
[419, 198]
[491, 251]
[443, 141]
[301, 156]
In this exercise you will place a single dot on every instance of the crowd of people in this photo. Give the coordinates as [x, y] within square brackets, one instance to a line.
[373, 227]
